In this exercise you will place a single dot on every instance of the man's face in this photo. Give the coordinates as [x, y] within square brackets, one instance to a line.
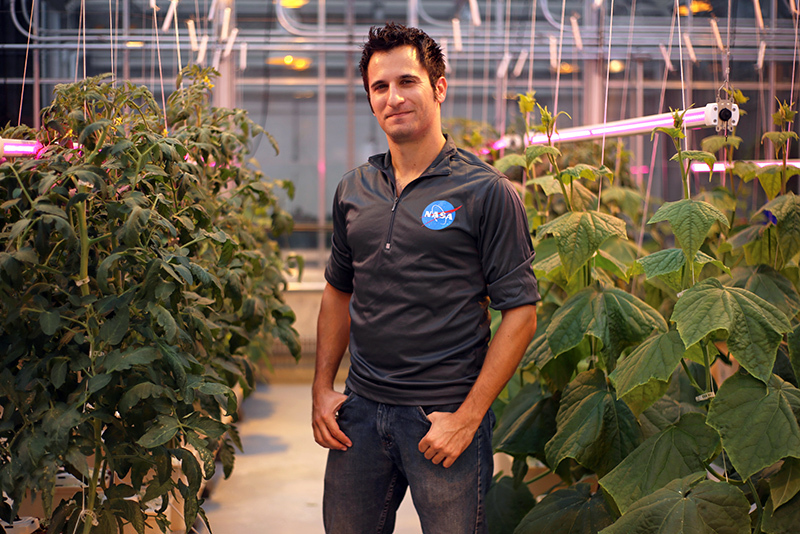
[401, 95]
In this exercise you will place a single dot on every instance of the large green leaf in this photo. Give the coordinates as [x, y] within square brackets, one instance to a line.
[165, 428]
[509, 161]
[506, 505]
[768, 411]
[50, 321]
[675, 452]
[786, 210]
[687, 506]
[579, 235]
[786, 483]
[770, 285]
[678, 400]
[527, 423]
[655, 359]
[113, 330]
[594, 428]
[690, 220]
[569, 511]
[615, 317]
[770, 178]
[783, 520]
[755, 327]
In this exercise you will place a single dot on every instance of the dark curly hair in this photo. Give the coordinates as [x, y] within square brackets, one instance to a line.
[393, 35]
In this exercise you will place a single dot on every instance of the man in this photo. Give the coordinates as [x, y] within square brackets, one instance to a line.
[424, 237]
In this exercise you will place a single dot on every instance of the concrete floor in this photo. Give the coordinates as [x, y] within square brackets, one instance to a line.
[276, 485]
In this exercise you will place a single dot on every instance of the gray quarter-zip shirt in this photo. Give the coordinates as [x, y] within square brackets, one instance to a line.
[423, 269]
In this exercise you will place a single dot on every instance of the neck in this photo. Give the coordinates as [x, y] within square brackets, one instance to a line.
[411, 158]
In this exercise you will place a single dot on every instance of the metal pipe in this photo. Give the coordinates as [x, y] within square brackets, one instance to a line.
[322, 105]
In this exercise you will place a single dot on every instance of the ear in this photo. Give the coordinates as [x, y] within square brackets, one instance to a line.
[440, 90]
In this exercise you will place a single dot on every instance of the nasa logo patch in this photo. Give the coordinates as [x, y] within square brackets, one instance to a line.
[439, 215]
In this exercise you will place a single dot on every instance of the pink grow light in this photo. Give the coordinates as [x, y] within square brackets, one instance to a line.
[720, 166]
[18, 148]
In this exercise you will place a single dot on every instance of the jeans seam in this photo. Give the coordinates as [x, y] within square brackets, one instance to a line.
[479, 504]
[385, 511]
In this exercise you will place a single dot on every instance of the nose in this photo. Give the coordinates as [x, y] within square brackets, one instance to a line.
[395, 98]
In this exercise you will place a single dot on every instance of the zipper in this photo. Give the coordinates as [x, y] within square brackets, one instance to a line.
[388, 246]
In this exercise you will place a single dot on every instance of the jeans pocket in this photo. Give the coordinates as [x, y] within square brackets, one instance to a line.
[348, 400]
[423, 414]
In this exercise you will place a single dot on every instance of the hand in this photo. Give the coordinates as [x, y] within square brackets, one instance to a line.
[447, 438]
[326, 430]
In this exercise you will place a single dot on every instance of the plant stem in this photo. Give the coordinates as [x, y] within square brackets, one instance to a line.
[759, 506]
[85, 243]
[694, 383]
[704, 347]
[92, 490]
[21, 185]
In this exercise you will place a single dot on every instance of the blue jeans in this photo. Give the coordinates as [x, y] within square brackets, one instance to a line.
[365, 485]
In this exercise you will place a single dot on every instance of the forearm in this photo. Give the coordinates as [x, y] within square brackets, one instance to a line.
[502, 359]
[333, 335]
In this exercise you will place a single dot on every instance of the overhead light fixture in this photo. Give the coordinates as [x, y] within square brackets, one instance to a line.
[474, 12]
[293, 62]
[576, 32]
[553, 53]
[226, 24]
[293, 4]
[458, 44]
[201, 52]
[520, 64]
[229, 44]
[762, 50]
[696, 6]
[568, 68]
[759, 17]
[616, 66]
[134, 44]
[665, 55]
[689, 48]
[212, 10]
[243, 56]
[717, 36]
[192, 35]
[502, 68]
[169, 15]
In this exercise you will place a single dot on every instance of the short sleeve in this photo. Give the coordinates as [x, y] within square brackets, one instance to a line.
[506, 249]
[339, 270]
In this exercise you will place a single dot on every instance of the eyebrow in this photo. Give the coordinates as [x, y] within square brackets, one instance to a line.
[401, 77]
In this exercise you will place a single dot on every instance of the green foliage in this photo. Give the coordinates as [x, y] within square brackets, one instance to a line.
[620, 384]
[138, 265]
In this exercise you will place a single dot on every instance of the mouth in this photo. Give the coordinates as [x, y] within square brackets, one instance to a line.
[398, 114]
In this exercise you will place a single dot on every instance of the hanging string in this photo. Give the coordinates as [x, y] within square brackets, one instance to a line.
[628, 54]
[605, 107]
[683, 96]
[177, 44]
[796, 17]
[25, 68]
[558, 61]
[160, 71]
[530, 51]
[486, 33]
[113, 49]
[81, 21]
[655, 143]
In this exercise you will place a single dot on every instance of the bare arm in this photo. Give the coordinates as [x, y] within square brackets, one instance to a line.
[451, 434]
[333, 335]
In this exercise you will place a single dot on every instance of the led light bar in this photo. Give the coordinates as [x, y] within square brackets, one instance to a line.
[720, 166]
[693, 118]
[12, 148]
